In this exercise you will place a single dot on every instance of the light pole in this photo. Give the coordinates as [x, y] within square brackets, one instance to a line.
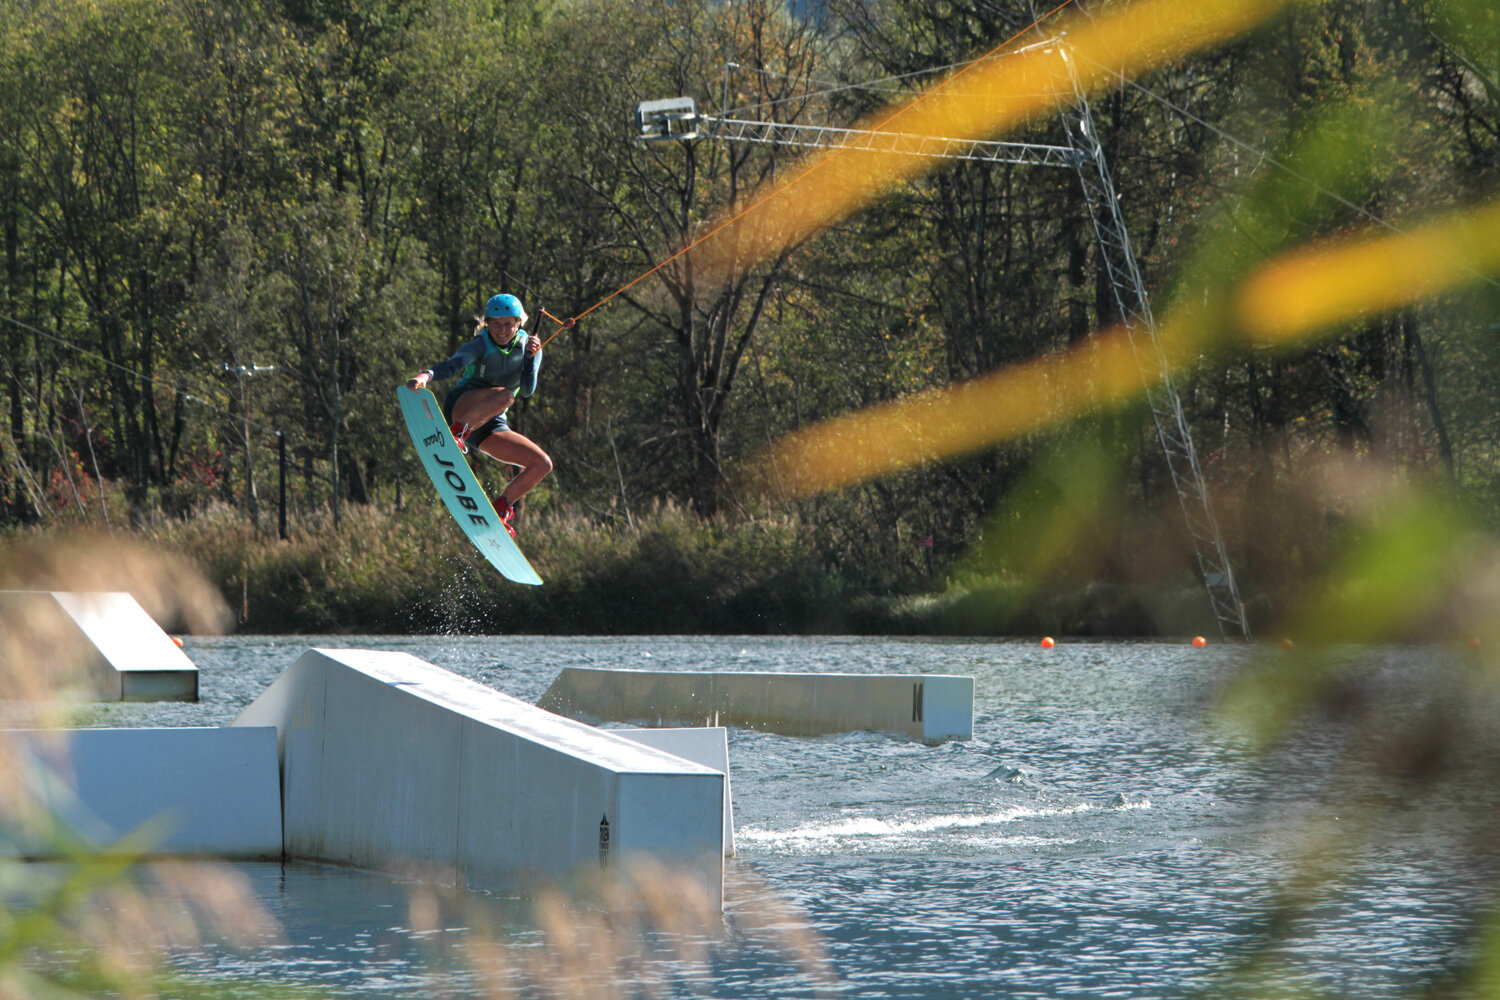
[241, 372]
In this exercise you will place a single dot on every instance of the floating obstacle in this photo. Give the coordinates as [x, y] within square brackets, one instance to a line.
[130, 658]
[932, 708]
[388, 760]
[706, 745]
[187, 791]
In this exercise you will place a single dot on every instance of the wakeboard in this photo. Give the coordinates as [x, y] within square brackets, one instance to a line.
[458, 487]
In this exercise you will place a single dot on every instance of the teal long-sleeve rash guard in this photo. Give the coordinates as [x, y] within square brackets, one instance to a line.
[485, 364]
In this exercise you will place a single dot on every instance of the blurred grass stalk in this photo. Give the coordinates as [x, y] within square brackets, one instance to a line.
[650, 931]
[94, 919]
[101, 919]
[988, 97]
[1301, 295]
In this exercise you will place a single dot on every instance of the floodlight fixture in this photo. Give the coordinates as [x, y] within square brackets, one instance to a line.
[669, 118]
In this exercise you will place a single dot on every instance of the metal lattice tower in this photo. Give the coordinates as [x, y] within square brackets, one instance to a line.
[677, 118]
[825, 137]
[1156, 373]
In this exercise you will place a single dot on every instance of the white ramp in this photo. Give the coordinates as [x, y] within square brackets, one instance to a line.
[932, 708]
[387, 759]
[707, 745]
[130, 657]
[209, 792]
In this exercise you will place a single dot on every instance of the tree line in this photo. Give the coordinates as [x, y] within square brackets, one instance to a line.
[231, 224]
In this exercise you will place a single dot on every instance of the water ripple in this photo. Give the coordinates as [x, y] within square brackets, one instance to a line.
[1096, 838]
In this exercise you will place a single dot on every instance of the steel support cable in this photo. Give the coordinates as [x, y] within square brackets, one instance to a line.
[1291, 172]
[193, 397]
[831, 88]
[870, 85]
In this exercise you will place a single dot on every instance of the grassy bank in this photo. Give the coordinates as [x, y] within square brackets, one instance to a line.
[411, 572]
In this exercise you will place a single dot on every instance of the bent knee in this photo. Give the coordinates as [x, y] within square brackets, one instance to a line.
[543, 463]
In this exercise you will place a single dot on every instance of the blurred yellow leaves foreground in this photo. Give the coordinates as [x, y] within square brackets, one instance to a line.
[1314, 289]
[101, 919]
[992, 95]
[1296, 296]
[1293, 297]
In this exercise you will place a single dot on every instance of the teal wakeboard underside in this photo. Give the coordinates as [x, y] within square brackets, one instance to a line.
[458, 487]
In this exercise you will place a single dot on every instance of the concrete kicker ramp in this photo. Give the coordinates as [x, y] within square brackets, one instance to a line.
[196, 791]
[708, 746]
[389, 760]
[932, 708]
[131, 658]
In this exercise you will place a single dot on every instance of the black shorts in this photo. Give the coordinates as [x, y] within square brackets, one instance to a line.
[476, 434]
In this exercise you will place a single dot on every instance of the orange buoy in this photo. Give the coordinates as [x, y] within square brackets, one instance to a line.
[1047, 642]
[177, 640]
[1199, 642]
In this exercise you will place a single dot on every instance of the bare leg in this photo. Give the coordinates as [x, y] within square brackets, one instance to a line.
[478, 405]
[515, 448]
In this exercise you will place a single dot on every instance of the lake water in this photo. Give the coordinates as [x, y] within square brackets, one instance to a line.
[1098, 837]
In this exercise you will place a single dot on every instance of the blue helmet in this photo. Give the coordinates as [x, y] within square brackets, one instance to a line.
[504, 305]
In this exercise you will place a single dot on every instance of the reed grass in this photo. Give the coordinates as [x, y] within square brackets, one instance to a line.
[380, 570]
[411, 572]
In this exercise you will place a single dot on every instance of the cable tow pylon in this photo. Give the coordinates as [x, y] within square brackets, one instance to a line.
[1156, 374]
[678, 119]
